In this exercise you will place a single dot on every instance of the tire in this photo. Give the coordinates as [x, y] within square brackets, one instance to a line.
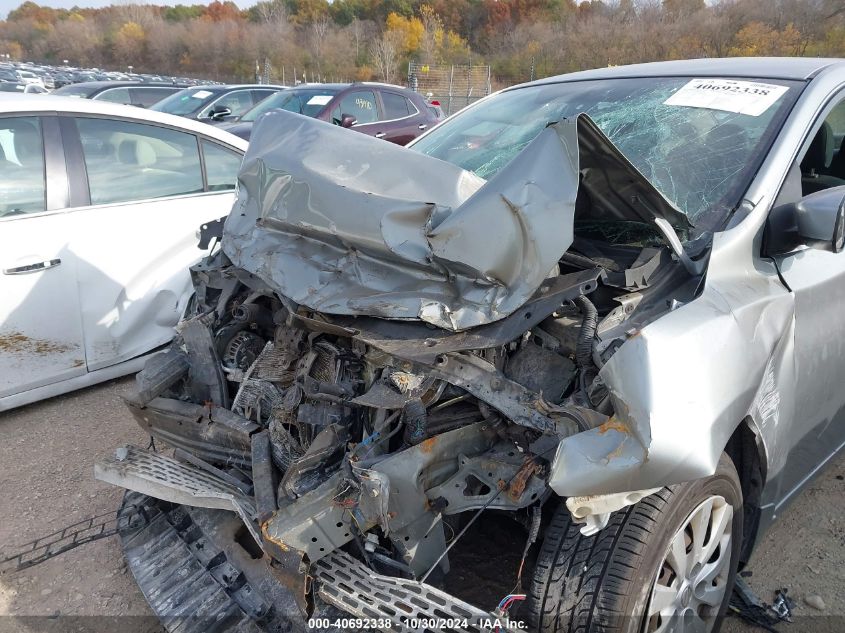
[605, 582]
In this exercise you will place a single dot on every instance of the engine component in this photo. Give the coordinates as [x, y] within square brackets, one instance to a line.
[584, 350]
[541, 370]
[242, 350]
[414, 417]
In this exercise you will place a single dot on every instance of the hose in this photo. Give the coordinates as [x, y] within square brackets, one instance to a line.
[589, 323]
[416, 421]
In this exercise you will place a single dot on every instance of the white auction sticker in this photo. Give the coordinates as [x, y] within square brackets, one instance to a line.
[201, 94]
[319, 100]
[742, 97]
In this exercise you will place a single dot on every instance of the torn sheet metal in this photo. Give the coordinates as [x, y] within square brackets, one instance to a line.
[673, 418]
[347, 224]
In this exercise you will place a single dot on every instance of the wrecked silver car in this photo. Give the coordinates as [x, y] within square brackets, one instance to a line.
[597, 305]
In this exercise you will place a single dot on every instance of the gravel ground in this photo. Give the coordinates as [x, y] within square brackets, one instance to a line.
[47, 454]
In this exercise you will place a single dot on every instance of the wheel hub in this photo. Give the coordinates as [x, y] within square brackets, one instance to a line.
[693, 575]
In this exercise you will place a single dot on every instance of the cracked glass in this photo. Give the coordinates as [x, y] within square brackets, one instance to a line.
[702, 159]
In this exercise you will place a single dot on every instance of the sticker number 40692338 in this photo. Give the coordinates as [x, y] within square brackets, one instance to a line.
[741, 97]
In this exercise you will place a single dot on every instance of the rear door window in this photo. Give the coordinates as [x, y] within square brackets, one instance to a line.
[259, 95]
[115, 95]
[132, 161]
[146, 97]
[396, 106]
[22, 182]
[221, 166]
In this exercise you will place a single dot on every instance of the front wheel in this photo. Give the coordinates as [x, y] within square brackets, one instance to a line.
[664, 564]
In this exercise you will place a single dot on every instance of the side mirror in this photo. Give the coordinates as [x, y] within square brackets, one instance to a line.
[217, 113]
[347, 120]
[817, 220]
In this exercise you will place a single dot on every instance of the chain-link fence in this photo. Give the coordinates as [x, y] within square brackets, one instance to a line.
[454, 86]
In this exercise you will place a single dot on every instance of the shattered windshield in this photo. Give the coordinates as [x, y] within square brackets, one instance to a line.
[698, 141]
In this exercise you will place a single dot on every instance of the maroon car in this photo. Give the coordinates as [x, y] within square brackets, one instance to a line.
[393, 113]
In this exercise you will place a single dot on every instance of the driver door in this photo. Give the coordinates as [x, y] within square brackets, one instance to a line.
[817, 279]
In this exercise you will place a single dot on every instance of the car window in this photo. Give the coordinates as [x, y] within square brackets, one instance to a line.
[115, 95]
[22, 183]
[360, 104]
[823, 163]
[260, 95]
[188, 101]
[133, 161]
[395, 106]
[145, 97]
[221, 166]
[238, 102]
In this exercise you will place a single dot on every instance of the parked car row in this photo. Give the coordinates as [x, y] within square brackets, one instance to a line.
[134, 93]
[51, 77]
[385, 111]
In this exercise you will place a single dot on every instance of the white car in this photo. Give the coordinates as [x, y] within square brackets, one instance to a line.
[28, 77]
[99, 209]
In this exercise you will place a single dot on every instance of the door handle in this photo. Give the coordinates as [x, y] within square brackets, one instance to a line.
[381, 134]
[32, 268]
[423, 126]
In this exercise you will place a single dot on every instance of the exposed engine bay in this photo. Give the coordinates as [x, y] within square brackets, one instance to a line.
[376, 436]
[382, 437]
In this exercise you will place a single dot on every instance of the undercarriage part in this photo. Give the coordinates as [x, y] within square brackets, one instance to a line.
[127, 519]
[263, 477]
[419, 343]
[208, 384]
[479, 480]
[192, 581]
[594, 511]
[414, 418]
[313, 526]
[165, 478]
[410, 472]
[317, 463]
[541, 370]
[160, 372]
[349, 585]
[517, 403]
[212, 433]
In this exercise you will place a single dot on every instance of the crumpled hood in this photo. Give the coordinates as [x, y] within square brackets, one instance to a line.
[348, 224]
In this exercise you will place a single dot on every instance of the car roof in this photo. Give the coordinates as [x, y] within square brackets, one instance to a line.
[95, 85]
[795, 68]
[24, 103]
[235, 86]
[344, 86]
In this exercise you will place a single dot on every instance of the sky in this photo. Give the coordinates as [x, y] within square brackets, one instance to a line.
[8, 5]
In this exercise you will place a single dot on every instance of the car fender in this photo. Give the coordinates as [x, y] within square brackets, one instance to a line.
[681, 386]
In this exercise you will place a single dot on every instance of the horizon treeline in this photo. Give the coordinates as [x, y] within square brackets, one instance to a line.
[375, 39]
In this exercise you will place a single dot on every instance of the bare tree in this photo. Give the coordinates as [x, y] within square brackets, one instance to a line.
[319, 30]
[272, 11]
[385, 52]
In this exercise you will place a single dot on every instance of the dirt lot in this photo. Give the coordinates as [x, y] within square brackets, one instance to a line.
[47, 452]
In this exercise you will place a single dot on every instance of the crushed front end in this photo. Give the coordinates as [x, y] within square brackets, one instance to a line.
[345, 419]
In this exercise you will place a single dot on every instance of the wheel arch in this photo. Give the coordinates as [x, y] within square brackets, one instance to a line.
[747, 451]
